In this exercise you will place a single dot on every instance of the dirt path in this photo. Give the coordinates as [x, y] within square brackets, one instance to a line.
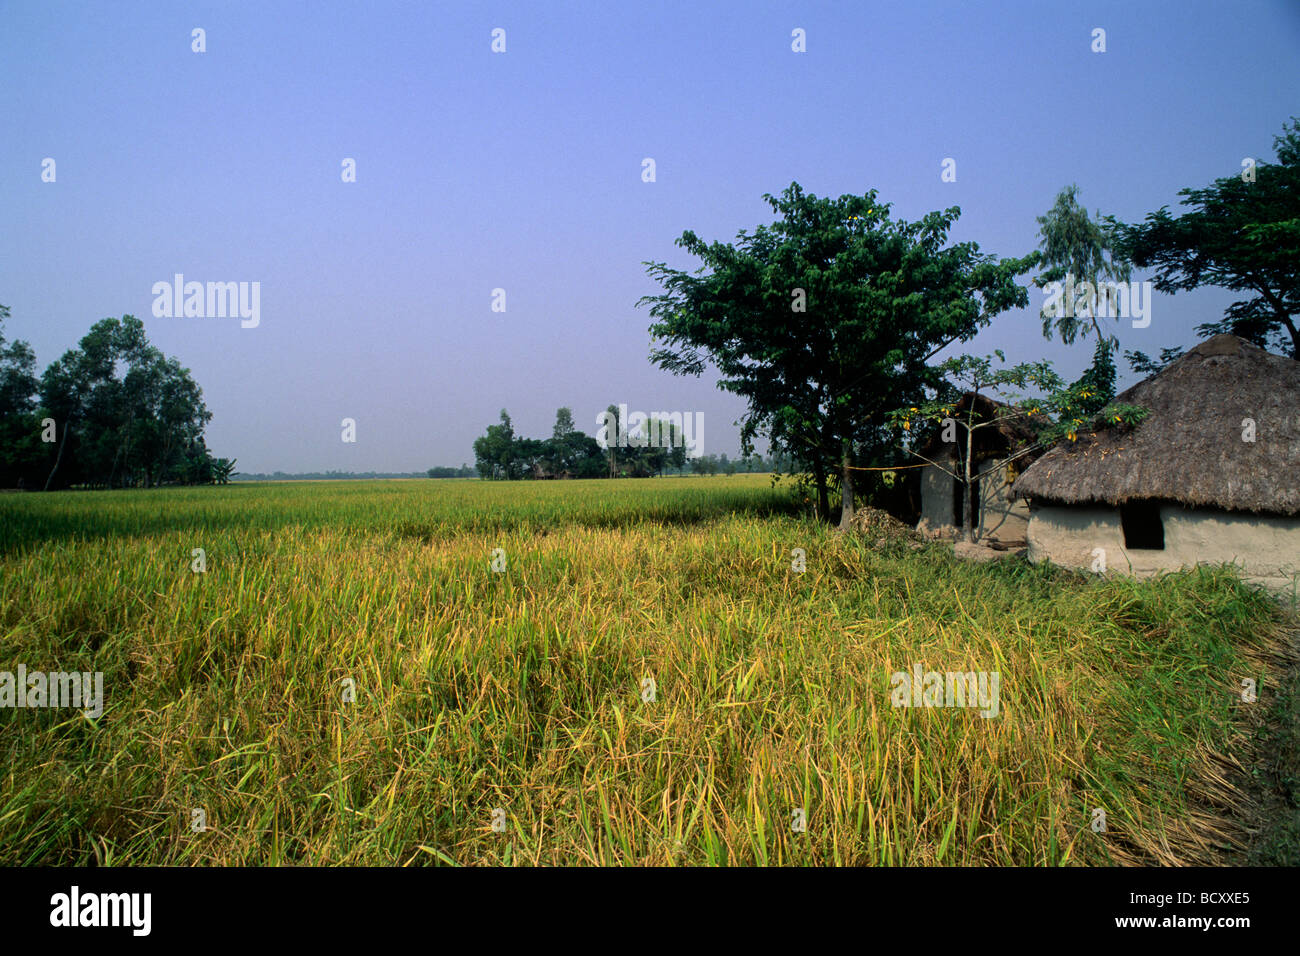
[1274, 784]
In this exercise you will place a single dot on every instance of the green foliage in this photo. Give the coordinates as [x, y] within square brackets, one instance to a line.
[1239, 235]
[1098, 380]
[1073, 245]
[445, 471]
[825, 319]
[21, 451]
[705, 465]
[494, 455]
[1057, 412]
[568, 453]
[964, 374]
[1143, 364]
[123, 415]
[1063, 412]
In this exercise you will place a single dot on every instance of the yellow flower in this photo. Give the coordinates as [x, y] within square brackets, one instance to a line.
[906, 426]
[1071, 436]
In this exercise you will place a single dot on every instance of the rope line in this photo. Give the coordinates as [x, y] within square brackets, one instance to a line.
[923, 464]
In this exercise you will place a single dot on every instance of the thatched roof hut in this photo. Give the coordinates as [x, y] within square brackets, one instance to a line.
[1212, 475]
[1194, 447]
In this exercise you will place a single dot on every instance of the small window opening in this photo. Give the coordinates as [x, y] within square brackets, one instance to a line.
[1143, 529]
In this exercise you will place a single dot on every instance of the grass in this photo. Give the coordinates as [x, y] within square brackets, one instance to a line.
[1277, 780]
[521, 691]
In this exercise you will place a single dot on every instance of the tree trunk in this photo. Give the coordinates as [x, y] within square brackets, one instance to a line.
[67, 426]
[966, 517]
[846, 485]
[823, 496]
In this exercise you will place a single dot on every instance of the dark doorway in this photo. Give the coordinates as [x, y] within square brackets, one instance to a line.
[1143, 529]
[958, 501]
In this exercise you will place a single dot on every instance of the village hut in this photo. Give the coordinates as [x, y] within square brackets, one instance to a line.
[1000, 453]
[1212, 475]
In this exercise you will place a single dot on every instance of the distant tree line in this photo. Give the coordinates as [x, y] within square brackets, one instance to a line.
[446, 471]
[112, 413]
[746, 464]
[464, 471]
[501, 455]
[568, 453]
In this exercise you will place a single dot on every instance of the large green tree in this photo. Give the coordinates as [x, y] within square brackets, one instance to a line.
[1082, 260]
[570, 452]
[125, 414]
[1079, 252]
[671, 452]
[21, 449]
[1243, 234]
[113, 412]
[494, 453]
[825, 320]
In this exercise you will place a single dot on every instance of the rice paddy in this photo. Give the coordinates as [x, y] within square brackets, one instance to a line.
[609, 672]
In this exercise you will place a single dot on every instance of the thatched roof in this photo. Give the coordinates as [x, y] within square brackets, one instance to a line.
[1191, 447]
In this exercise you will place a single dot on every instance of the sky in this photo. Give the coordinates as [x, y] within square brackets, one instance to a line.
[522, 170]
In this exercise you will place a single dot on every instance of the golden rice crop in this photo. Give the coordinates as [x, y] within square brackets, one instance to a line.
[647, 681]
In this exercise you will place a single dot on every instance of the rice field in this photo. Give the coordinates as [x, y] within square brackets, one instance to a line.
[610, 672]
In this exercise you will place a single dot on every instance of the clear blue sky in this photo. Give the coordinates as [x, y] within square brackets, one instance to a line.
[522, 171]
